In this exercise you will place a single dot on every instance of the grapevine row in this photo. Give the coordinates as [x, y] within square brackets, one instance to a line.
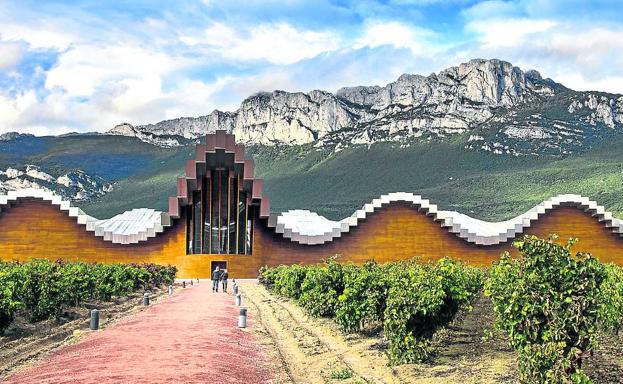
[42, 289]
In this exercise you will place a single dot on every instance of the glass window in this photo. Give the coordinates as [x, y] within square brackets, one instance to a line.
[224, 177]
[242, 222]
[197, 222]
[215, 210]
[219, 221]
[207, 184]
[232, 214]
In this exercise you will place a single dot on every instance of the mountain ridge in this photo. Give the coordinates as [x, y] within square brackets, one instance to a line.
[487, 96]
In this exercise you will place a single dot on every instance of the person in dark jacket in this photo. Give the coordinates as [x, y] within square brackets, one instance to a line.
[224, 277]
[216, 277]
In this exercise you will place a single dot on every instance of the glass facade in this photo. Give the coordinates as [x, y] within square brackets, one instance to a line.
[219, 220]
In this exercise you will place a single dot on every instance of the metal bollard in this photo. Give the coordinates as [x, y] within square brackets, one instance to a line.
[183, 284]
[242, 318]
[95, 320]
[197, 280]
[238, 300]
[146, 298]
[235, 289]
[170, 290]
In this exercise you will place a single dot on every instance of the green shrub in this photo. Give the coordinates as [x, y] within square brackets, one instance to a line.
[412, 300]
[321, 288]
[423, 298]
[43, 289]
[413, 303]
[460, 282]
[364, 296]
[9, 302]
[288, 281]
[267, 276]
[611, 298]
[548, 302]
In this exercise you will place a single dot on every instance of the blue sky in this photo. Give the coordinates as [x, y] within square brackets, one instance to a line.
[89, 65]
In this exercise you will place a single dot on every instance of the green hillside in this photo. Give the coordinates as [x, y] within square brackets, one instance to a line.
[480, 184]
[483, 185]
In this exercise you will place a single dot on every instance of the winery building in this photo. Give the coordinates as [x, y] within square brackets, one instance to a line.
[220, 216]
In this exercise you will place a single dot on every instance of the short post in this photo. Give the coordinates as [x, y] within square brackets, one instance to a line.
[95, 320]
[184, 284]
[170, 290]
[197, 280]
[191, 283]
[242, 318]
[146, 298]
[238, 300]
[235, 289]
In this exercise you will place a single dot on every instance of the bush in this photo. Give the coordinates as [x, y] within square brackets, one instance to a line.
[611, 298]
[548, 302]
[9, 303]
[409, 298]
[423, 298]
[43, 288]
[364, 297]
[267, 276]
[413, 303]
[288, 281]
[321, 288]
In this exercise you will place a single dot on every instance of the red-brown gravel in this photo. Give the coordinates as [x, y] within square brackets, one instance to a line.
[191, 337]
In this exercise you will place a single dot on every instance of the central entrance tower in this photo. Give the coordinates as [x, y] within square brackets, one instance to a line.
[219, 198]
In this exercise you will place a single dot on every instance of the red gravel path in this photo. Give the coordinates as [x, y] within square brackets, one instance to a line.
[191, 337]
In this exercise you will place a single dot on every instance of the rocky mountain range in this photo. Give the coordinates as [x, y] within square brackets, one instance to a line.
[74, 185]
[499, 107]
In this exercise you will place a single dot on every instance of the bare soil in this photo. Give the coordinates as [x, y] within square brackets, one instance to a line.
[313, 350]
[25, 343]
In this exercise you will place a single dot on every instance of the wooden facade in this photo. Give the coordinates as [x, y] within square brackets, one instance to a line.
[35, 229]
[219, 198]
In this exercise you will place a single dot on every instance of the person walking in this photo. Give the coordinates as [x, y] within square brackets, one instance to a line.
[224, 277]
[216, 277]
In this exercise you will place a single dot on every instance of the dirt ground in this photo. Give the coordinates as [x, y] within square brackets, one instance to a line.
[25, 343]
[313, 350]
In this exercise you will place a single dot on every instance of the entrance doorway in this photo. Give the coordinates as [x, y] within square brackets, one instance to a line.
[221, 264]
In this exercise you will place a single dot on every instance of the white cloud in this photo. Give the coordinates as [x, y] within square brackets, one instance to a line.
[10, 54]
[11, 109]
[508, 32]
[39, 35]
[588, 47]
[83, 68]
[395, 34]
[276, 43]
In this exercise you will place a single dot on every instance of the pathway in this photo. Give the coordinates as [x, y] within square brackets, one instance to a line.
[191, 337]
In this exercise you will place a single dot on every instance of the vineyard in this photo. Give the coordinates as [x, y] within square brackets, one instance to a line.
[41, 289]
[550, 305]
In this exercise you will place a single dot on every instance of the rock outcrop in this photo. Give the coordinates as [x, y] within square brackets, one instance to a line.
[496, 100]
[75, 185]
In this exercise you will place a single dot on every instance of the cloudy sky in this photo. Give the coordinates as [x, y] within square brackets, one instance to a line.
[89, 65]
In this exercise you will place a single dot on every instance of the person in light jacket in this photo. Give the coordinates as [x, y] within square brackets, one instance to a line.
[216, 277]
[224, 277]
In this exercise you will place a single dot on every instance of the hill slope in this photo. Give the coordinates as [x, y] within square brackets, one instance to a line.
[336, 183]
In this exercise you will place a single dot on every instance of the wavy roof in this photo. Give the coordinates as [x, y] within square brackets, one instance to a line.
[305, 227]
[309, 228]
[129, 227]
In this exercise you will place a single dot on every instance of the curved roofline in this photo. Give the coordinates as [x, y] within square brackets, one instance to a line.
[309, 228]
[130, 227]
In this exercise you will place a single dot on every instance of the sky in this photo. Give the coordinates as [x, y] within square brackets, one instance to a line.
[82, 66]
